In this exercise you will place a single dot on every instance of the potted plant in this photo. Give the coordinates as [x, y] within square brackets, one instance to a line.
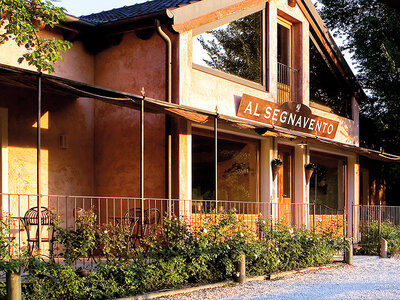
[309, 170]
[276, 164]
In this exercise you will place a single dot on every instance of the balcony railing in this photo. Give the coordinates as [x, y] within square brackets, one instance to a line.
[287, 83]
[26, 230]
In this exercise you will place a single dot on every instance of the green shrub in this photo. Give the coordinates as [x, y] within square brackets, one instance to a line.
[370, 237]
[80, 241]
[176, 256]
[3, 290]
[298, 248]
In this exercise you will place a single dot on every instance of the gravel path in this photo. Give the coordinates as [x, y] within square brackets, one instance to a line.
[369, 277]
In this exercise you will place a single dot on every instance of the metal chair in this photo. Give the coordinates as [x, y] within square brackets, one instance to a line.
[31, 225]
[152, 217]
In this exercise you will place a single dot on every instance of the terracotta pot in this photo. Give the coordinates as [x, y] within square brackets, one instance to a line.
[292, 3]
[308, 175]
[275, 171]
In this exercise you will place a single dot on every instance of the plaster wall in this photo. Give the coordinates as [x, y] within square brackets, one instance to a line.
[63, 171]
[77, 65]
[128, 67]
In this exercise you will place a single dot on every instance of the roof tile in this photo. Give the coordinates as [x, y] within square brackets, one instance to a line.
[132, 11]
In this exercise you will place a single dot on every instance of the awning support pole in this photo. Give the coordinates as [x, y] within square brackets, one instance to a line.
[216, 161]
[169, 158]
[38, 162]
[142, 160]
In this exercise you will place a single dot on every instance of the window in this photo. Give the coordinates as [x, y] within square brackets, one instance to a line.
[287, 75]
[237, 169]
[235, 48]
[328, 91]
[284, 42]
[327, 184]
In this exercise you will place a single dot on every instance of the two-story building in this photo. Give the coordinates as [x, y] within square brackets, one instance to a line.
[228, 86]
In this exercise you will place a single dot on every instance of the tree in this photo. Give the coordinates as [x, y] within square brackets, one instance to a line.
[21, 21]
[371, 31]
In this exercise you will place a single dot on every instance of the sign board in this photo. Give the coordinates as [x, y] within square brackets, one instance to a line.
[291, 115]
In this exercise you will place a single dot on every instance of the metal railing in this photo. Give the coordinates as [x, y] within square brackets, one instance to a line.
[114, 211]
[287, 83]
[372, 215]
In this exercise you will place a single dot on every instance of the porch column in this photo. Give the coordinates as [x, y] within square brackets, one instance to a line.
[267, 186]
[353, 186]
[184, 161]
[300, 186]
[274, 197]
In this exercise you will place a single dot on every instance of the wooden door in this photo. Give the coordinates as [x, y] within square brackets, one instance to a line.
[285, 185]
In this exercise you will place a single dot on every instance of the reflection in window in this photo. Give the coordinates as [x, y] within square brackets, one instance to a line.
[327, 182]
[234, 48]
[283, 45]
[237, 170]
[325, 86]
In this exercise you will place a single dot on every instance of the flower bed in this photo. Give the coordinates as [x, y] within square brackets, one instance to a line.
[173, 256]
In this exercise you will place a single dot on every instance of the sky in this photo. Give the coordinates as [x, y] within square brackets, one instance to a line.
[85, 7]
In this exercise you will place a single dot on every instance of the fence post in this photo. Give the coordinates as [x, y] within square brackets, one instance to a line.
[13, 283]
[313, 217]
[379, 222]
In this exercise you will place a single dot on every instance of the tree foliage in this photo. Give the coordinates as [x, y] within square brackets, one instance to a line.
[21, 21]
[371, 31]
[236, 48]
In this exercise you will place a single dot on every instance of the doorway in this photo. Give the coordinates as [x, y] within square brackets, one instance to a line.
[285, 185]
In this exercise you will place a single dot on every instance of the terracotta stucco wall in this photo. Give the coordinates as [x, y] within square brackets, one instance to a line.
[63, 171]
[129, 66]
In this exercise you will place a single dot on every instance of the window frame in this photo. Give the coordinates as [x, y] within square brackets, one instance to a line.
[263, 86]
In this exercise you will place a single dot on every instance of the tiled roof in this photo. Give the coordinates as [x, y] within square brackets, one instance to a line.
[132, 11]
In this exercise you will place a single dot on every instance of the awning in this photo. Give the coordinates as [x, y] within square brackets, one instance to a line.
[56, 85]
[274, 131]
[64, 87]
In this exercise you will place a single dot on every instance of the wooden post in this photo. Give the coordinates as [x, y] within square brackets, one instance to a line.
[383, 248]
[348, 254]
[242, 268]
[13, 283]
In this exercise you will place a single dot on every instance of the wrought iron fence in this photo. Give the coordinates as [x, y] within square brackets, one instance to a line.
[32, 227]
[287, 83]
[378, 213]
[366, 216]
